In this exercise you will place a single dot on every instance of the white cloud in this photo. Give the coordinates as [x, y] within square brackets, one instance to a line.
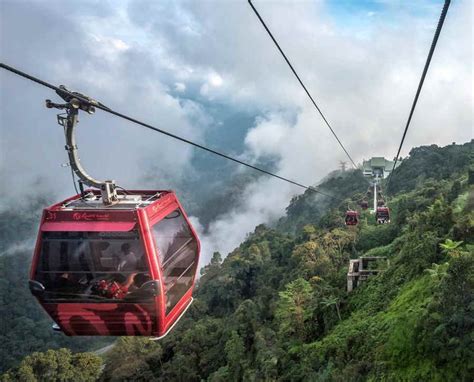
[179, 87]
[269, 136]
[260, 205]
[215, 80]
[137, 53]
[364, 86]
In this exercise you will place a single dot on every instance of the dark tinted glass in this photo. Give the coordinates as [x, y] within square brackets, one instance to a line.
[92, 266]
[178, 251]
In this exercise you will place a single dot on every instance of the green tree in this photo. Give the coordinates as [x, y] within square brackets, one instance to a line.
[455, 191]
[57, 366]
[312, 260]
[450, 246]
[337, 245]
[131, 357]
[214, 264]
[295, 309]
[235, 354]
[438, 271]
[328, 302]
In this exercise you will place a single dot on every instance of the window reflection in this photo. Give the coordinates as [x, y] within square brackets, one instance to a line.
[178, 251]
[92, 265]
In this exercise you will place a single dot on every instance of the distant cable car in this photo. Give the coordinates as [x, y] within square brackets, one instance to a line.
[382, 215]
[110, 263]
[364, 204]
[352, 217]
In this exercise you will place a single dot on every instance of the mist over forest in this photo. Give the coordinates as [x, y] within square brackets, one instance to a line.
[272, 300]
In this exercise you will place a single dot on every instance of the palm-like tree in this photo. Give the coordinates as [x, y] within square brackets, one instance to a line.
[330, 301]
[450, 245]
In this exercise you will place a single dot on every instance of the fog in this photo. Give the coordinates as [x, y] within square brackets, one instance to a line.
[184, 66]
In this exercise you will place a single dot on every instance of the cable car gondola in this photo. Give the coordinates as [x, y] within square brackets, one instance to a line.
[111, 263]
[352, 217]
[364, 204]
[382, 215]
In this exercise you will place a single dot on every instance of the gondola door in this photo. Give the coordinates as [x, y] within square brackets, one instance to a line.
[178, 255]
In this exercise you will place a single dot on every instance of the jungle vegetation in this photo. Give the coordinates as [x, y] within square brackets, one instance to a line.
[276, 308]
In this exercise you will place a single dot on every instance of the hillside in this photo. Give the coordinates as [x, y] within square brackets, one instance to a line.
[277, 308]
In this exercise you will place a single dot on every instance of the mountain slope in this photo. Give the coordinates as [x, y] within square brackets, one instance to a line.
[277, 309]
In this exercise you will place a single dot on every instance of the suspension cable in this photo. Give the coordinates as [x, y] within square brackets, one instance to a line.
[164, 132]
[301, 83]
[420, 85]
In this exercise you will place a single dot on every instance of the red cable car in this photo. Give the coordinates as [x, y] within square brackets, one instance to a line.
[109, 263]
[352, 217]
[127, 269]
[382, 215]
[364, 205]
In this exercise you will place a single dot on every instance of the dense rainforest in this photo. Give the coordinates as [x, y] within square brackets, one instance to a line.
[277, 308]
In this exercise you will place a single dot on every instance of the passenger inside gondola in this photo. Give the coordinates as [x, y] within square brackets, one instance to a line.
[90, 265]
[128, 259]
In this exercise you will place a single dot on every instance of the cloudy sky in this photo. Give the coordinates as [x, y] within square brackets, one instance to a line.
[207, 70]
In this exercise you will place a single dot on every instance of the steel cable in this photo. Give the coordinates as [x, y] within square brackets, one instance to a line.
[171, 135]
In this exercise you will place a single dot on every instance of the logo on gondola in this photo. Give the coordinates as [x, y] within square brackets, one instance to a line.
[90, 216]
[50, 215]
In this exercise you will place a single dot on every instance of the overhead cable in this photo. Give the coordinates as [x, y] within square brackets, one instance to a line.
[301, 83]
[161, 131]
[422, 80]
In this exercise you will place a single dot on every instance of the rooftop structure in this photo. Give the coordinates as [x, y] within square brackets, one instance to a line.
[377, 167]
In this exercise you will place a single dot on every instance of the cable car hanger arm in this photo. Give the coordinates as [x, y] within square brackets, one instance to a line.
[75, 102]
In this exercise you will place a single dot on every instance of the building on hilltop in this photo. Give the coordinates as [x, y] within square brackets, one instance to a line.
[378, 167]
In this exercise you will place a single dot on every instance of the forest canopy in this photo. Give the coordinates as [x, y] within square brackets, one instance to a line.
[277, 308]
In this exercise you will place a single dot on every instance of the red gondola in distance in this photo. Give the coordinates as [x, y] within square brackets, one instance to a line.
[110, 263]
[382, 215]
[352, 217]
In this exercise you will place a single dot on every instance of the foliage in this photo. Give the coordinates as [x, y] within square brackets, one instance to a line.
[431, 162]
[132, 358]
[316, 209]
[294, 310]
[276, 308]
[56, 365]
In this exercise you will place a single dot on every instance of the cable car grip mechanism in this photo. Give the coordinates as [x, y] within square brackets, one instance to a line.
[69, 121]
